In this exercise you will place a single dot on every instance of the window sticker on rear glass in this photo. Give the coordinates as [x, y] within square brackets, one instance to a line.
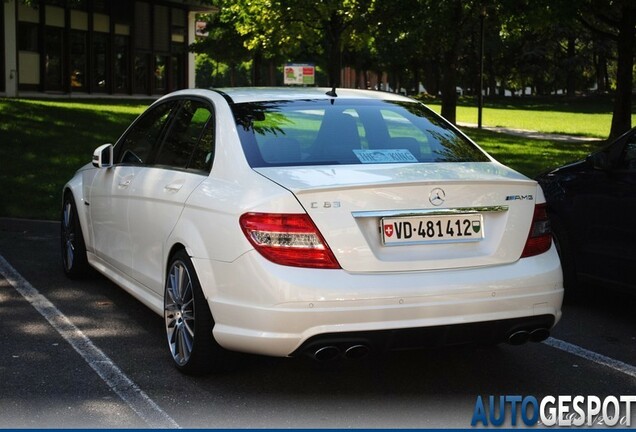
[385, 156]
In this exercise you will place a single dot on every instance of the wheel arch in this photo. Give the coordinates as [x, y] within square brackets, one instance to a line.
[75, 190]
[173, 250]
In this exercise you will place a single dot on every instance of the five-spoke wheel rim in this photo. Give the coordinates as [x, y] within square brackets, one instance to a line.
[179, 313]
[68, 236]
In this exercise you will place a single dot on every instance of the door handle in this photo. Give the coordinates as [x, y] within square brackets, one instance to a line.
[125, 182]
[174, 187]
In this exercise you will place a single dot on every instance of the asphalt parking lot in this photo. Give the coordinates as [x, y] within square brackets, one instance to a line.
[86, 354]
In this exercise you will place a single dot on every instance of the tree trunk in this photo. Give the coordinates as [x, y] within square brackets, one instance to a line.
[233, 75]
[416, 78]
[491, 76]
[271, 66]
[622, 116]
[380, 84]
[600, 66]
[571, 67]
[257, 60]
[431, 77]
[392, 81]
[333, 35]
[449, 80]
[449, 76]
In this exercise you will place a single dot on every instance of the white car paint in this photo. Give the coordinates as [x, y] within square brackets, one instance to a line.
[132, 218]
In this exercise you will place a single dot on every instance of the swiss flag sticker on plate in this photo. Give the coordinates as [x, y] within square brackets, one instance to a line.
[388, 230]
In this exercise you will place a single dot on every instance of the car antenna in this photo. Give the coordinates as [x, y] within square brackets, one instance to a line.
[332, 92]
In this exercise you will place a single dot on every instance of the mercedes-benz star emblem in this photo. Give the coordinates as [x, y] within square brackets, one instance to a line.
[437, 196]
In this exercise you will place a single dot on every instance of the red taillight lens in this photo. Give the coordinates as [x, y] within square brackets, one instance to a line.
[288, 239]
[540, 236]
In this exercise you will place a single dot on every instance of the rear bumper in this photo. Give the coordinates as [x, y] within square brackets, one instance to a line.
[264, 308]
[484, 333]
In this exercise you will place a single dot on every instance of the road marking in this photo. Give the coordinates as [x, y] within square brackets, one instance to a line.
[108, 371]
[600, 359]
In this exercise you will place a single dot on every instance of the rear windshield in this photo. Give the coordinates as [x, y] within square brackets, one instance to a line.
[328, 132]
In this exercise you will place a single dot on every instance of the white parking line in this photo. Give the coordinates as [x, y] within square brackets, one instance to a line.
[597, 358]
[114, 377]
[138, 401]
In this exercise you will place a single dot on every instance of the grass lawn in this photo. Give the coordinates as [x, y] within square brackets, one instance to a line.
[530, 156]
[43, 142]
[585, 116]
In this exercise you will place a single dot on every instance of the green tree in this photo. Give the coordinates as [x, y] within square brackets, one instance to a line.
[223, 44]
[414, 31]
[616, 20]
[321, 30]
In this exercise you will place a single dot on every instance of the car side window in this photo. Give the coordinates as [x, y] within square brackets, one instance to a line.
[204, 152]
[137, 145]
[184, 135]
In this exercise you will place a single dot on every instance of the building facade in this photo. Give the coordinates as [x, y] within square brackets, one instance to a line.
[97, 47]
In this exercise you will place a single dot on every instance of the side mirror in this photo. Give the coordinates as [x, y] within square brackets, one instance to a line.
[103, 156]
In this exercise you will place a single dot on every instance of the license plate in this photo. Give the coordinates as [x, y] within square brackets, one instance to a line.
[432, 229]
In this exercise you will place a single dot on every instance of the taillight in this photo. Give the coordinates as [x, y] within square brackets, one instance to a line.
[288, 239]
[540, 236]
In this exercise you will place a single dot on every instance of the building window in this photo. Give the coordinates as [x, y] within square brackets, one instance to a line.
[122, 55]
[78, 60]
[141, 76]
[143, 35]
[53, 60]
[29, 55]
[76, 4]
[79, 20]
[100, 63]
[101, 46]
[54, 16]
[178, 26]
[122, 11]
[101, 23]
[161, 67]
[100, 6]
[178, 77]
[161, 27]
[28, 37]
[28, 13]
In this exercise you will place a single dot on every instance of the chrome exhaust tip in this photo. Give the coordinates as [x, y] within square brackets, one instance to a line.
[326, 353]
[539, 335]
[519, 338]
[357, 351]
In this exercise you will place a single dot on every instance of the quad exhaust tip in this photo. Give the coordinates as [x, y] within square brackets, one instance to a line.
[539, 335]
[523, 336]
[331, 352]
[356, 352]
[326, 353]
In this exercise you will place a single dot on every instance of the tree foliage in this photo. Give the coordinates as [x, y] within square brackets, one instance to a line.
[536, 47]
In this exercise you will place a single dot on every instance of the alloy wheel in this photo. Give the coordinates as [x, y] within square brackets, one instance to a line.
[68, 236]
[179, 313]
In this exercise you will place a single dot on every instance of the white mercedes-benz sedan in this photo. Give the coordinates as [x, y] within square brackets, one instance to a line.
[327, 222]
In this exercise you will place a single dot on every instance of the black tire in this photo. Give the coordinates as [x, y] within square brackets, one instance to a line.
[74, 260]
[189, 322]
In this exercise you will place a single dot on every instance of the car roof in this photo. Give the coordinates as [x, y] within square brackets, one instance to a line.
[260, 94]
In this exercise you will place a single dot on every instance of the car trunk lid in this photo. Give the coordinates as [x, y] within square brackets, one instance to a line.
[362, 210]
